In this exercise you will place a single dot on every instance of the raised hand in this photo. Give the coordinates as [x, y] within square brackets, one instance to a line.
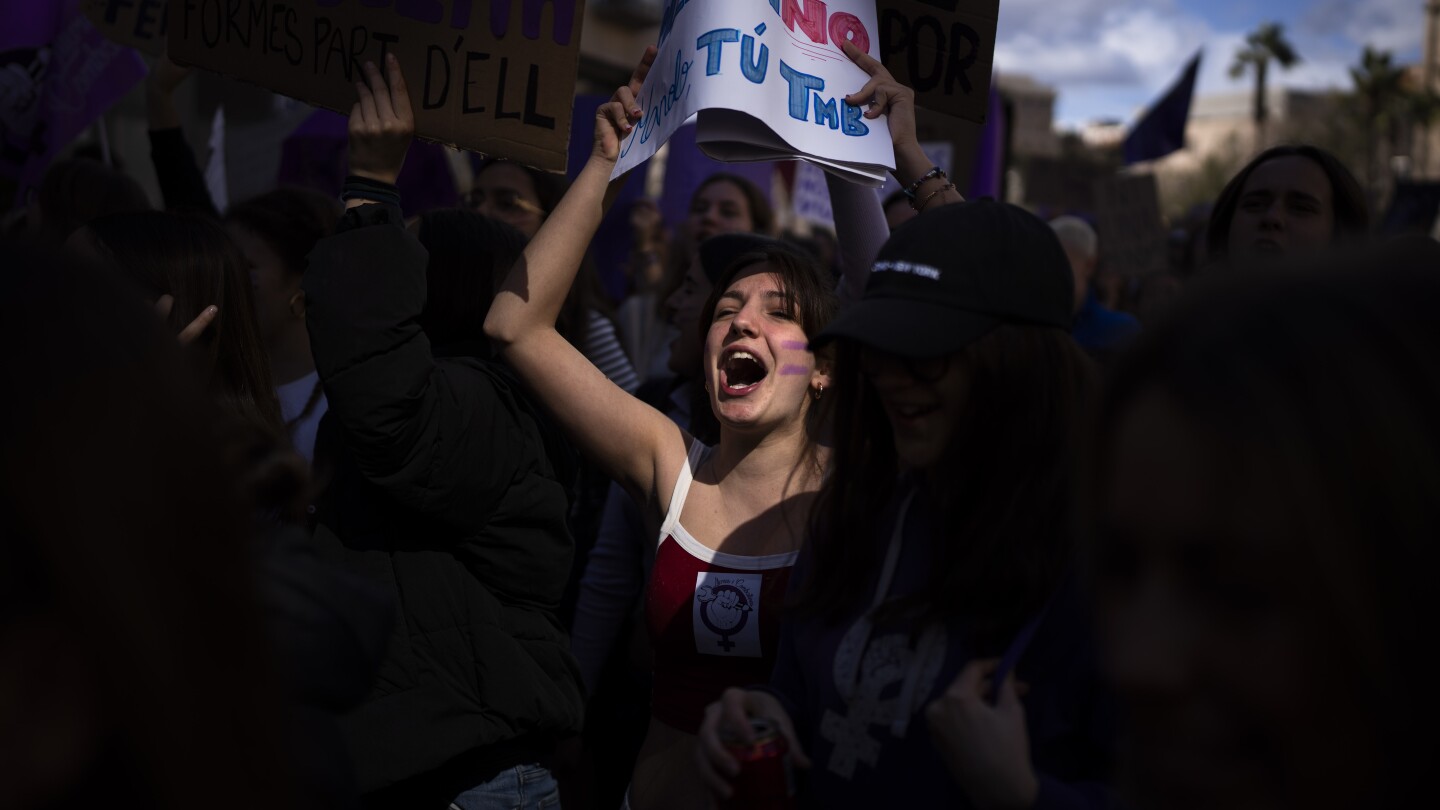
[985, 746]
[382, 124]
[730, 716]
[195, 328]
[885, 95]
[615, 118]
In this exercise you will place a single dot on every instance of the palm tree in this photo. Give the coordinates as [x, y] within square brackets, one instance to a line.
[1379, 84]
[1264, 45]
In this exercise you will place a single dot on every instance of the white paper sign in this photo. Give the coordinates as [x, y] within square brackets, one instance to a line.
[811, 200]
[767, 79]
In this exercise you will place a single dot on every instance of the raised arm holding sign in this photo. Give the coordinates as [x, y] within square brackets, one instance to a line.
[766, 78]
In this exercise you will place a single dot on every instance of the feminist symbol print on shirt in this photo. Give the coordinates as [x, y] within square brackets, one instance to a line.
[726, 614]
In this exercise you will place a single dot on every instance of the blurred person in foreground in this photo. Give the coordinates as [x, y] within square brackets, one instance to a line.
[1265, 508]
[1290, 201]
[1098, 329]
[190, 270]
[134, 669]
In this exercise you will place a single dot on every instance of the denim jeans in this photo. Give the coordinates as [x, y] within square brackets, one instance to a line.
[524, 787]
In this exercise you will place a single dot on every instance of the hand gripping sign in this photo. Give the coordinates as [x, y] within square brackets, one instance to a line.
[767, 80]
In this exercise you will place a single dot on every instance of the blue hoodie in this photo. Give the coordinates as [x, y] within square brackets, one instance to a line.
[875, 749]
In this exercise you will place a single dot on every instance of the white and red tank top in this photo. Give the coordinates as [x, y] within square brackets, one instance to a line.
[713, 617]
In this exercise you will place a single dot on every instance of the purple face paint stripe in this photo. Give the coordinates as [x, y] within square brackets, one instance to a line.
[791, 368]
[795, 344]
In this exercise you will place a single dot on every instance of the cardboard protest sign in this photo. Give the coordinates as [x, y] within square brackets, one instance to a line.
[140, 24]
[944, 49]
[767, 79]
[1132, 237]
[500, 82]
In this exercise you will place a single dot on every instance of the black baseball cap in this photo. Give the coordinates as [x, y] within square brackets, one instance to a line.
[948, 277]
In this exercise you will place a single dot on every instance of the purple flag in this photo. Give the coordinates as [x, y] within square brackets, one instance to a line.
[1162, 130]
[58, 74]
[988, 176]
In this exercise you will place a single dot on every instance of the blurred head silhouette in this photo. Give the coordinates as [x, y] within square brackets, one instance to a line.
[132, 669]
[1267, 479]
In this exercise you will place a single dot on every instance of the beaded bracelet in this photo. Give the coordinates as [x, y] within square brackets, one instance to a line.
[366, 189]
[931, 196]
[910, 190]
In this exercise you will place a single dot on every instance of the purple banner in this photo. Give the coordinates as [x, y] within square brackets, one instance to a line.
[687, 167]
[611, 246]
[58, 74]
[988, 176]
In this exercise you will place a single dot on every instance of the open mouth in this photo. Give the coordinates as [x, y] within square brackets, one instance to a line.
[909, 415]
[741, 372]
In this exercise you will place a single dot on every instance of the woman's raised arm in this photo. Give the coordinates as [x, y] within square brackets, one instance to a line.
[631, 441]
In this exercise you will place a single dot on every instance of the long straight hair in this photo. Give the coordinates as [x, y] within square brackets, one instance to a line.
[192, 259]
[1003, 533]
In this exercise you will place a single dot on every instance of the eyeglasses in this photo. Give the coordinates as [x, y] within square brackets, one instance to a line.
[504, 201]
[922, 369]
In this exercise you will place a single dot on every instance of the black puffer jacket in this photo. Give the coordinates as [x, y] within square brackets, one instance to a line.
[447, 487]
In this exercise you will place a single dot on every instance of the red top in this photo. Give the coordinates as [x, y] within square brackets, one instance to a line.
[713, 617]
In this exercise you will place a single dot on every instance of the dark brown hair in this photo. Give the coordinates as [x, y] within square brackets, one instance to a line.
[192, 259]
[762, 216]
[1352, 216]
[79, 190]
[469, 257]
[1004, 529]
[290, 220]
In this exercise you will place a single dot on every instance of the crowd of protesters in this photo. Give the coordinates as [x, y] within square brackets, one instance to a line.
[308, 503]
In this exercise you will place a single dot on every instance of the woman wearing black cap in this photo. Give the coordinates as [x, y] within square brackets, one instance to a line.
[934, 574]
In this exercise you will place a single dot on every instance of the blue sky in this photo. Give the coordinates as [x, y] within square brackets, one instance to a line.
[1110, 58]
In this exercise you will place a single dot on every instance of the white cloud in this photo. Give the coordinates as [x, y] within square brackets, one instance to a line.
[1392, 25]
[1110, 58]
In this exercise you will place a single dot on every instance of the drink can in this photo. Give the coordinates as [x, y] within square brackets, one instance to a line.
[766, 780]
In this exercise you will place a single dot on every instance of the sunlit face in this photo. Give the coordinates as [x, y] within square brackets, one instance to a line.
[757, 367]
[1233, 689]
[276, 307]
[720, 207]
[924, 399]
[686, 305]
[505, 192]
[1286, 208]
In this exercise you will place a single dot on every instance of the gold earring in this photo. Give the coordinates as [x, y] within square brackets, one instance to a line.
[818, 392]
